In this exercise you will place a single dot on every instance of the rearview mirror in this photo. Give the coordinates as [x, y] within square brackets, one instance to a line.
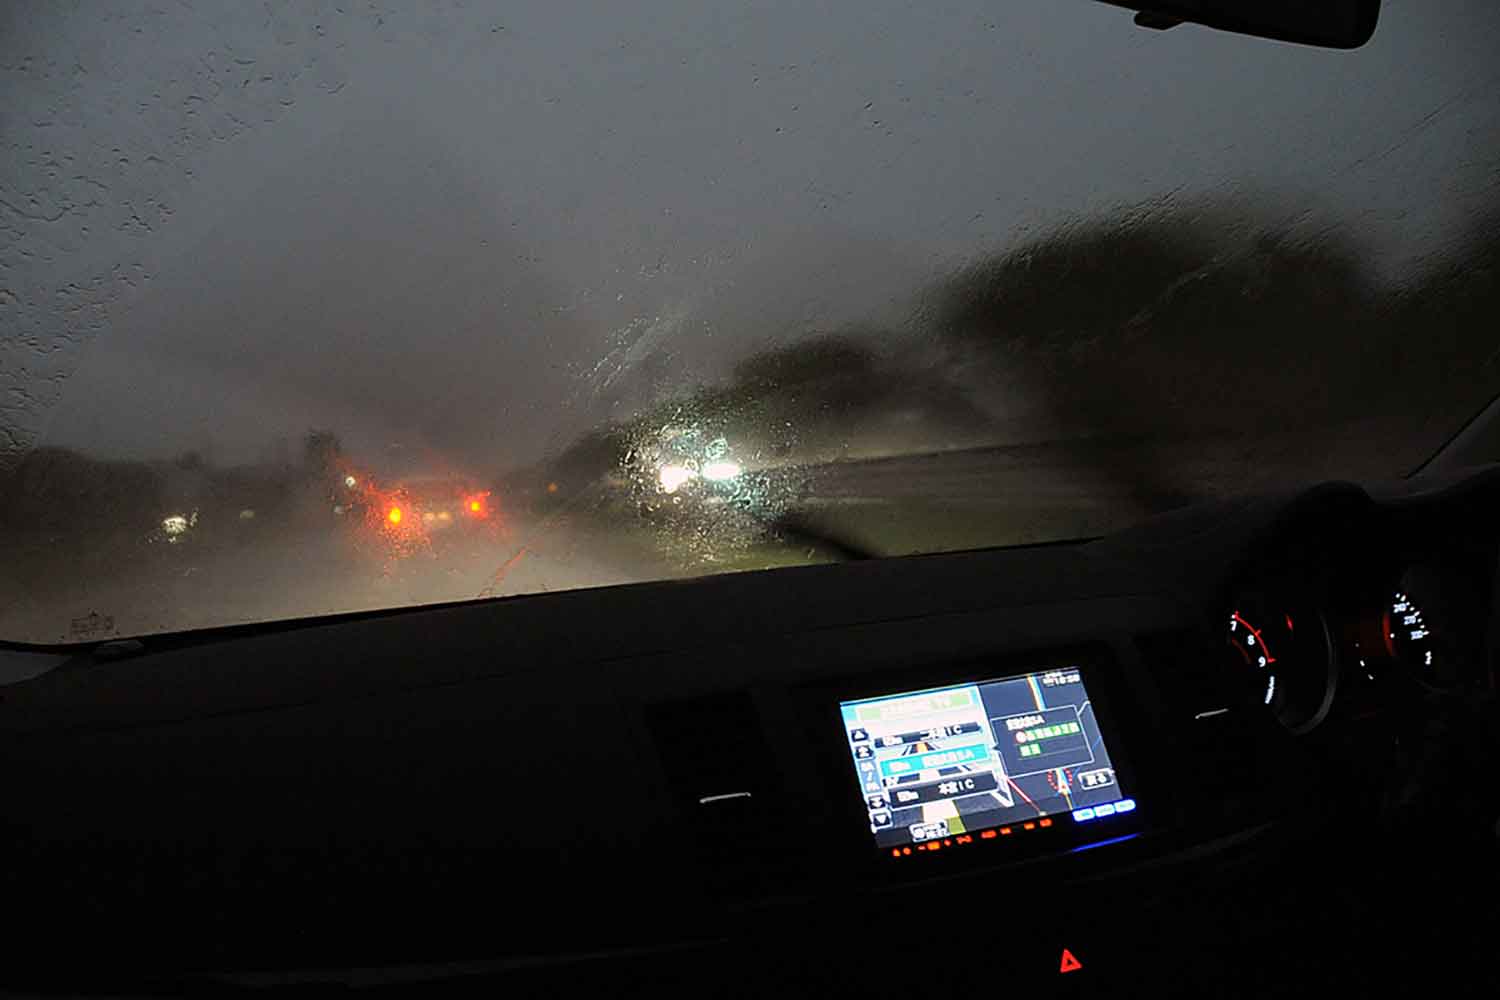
[1334, 24]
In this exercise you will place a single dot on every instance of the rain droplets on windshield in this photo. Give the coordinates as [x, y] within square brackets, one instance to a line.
[314, 308]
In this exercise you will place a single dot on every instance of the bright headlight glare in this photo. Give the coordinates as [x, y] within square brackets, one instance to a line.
[672, 477]
[720, 471]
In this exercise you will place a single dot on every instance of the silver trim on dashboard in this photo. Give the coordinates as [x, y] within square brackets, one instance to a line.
[711, 799]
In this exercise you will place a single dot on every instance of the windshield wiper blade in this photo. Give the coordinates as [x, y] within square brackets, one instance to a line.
[797, 529]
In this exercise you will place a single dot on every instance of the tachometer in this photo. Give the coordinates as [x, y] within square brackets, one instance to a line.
[1290, 659]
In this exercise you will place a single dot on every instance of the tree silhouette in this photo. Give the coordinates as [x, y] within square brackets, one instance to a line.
[1199, 320]
[1167, 323]
[1183, 320]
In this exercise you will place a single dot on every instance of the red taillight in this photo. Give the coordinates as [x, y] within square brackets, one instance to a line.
[394, 516]
[475, 506]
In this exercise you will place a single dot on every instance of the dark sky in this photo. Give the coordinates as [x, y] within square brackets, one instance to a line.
[464, 230]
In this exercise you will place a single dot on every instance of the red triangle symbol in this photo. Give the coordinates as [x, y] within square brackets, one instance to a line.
[1069, 963]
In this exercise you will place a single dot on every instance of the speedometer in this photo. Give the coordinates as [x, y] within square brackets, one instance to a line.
[1408, 634]
[1414, 630]
[1288, 658]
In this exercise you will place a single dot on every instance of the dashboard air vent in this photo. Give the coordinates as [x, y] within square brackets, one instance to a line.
[722, 775]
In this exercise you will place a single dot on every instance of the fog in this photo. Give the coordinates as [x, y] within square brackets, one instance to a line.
[481, 230]
[911, 277]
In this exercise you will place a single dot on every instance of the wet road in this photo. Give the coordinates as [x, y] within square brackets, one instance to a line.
[58, 593]
[77, 589]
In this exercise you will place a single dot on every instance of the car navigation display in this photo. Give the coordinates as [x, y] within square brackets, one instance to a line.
[987, 759]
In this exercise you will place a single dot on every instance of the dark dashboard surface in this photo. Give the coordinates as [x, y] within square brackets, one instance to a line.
[651, 785]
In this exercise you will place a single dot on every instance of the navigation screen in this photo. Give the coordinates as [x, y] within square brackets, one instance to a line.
[1002, 755]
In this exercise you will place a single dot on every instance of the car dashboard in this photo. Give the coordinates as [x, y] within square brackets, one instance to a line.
[1246, 747]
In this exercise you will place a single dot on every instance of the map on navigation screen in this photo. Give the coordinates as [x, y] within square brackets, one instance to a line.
[975, 757]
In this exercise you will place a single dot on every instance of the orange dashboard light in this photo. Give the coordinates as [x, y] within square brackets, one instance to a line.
[394, 516]
[987, 834]
[1028, 826]
[964, 839]
[895, 852]
[1046, 822]
[934, 846]
[906, 851]
[1005, 831]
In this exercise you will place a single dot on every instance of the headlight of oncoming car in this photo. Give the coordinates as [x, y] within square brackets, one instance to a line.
[722, 471]
[673, 477]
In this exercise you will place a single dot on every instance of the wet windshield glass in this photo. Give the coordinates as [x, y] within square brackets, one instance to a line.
[318, 307]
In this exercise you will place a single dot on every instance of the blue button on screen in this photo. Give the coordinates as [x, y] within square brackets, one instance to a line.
[1108, 809]
[1079, 815]
[1125, 806]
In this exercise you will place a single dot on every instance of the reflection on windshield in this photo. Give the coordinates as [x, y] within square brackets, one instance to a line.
[437, 382]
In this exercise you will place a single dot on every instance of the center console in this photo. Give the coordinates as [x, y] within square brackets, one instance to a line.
[1020, 758]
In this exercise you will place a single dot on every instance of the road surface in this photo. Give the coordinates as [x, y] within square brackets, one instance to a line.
[73, 588]
[62, 591]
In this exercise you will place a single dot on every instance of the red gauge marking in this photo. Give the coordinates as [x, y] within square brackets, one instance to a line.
[1386, 634]
[1258, 638]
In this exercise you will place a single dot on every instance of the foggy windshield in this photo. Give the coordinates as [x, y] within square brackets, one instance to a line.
[317, 307]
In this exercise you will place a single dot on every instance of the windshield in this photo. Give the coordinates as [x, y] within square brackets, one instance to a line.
[317, 307]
